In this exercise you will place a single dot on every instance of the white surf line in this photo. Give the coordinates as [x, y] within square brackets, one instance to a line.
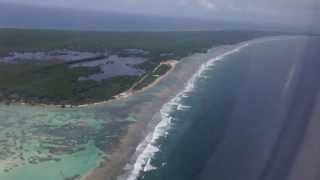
[149, 147]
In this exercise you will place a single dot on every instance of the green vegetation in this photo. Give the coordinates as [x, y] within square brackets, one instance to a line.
[163, 68]
[178, 43]
[57, 84]
[152, 76]
[36, 82]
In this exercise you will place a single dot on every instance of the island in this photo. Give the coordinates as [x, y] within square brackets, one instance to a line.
[72, 68]
[79, 103]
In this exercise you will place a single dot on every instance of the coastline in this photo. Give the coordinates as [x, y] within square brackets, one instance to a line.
[131, 92]
[146, 111]
[148, 147]
[140, 136]
[137, 147]
[121, 96]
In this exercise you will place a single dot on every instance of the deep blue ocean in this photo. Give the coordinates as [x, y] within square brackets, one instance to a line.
[229, 117]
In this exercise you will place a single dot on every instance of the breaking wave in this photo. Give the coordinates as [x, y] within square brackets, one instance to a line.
[149, 147]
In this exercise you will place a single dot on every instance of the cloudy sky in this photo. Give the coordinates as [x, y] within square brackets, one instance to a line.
[291, 11]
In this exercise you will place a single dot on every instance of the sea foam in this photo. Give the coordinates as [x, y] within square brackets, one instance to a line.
[149, 147]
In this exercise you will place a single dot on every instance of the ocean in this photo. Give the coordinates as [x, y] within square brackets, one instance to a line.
[244, 115]
[231, 120]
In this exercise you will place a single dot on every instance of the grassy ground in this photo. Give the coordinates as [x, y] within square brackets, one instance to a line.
[47, 83]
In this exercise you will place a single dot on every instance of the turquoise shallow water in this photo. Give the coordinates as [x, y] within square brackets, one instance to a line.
[26, 132]
[71, 138]
[70, 165]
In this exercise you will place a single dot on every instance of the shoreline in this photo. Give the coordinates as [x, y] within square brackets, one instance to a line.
[145, 110]
[131, 92]
[121, 96]
[148, 147]
[132, 154]
[140, 135]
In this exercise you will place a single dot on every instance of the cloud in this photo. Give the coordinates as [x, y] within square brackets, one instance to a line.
[264, 10]
[206, 4]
